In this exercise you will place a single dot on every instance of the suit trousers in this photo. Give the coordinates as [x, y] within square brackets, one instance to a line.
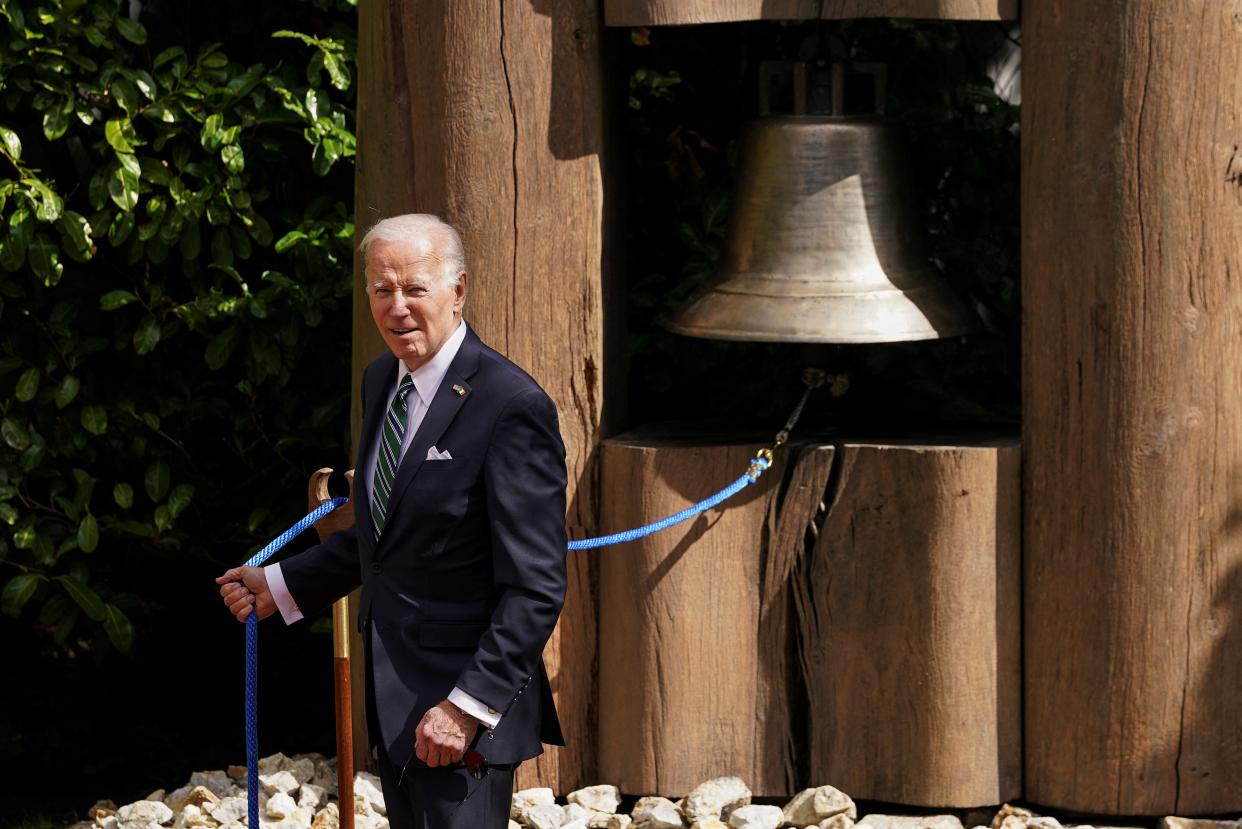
[447, 797]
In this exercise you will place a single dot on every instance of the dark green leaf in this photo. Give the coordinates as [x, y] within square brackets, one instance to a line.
[12, 144]
[88, 534]
[131, 30]
[170, 54]
[24, 539]
[123, 494]
[95, 419]
[115, 299]
[231, 155]
[289, 240]
[123, 186]
[50, 202]
[114, 132]
[126, 96]
[17, 592]
[163, 518]
[180, 498]
[77, 233]
[14, 434]
[211, 135]
[157, 480]
[27, 385]
[122, 225]
[147, 335]
[154, 171]
[67, 391]
[118, 628]
[84, 597]
[221, 348]
[45, 259]
[8, 513]
[56, 120]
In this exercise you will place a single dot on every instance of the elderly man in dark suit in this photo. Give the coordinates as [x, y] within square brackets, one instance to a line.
[459, 543]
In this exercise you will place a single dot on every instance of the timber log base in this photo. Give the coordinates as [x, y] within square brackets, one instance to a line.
[894, 568]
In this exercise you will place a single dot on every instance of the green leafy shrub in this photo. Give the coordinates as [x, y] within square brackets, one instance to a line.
[174, 280]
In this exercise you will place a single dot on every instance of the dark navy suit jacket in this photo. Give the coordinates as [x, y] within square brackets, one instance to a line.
[466, 582]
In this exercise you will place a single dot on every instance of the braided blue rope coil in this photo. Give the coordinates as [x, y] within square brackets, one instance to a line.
[252, 658]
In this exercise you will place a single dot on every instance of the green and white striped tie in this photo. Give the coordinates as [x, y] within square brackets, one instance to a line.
[389, 454]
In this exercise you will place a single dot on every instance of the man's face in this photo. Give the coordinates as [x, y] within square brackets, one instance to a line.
[414, 307]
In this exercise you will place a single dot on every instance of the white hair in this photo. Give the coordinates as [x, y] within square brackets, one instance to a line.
[412, 228]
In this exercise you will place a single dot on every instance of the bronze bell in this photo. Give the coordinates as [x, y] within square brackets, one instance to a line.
[822, 246]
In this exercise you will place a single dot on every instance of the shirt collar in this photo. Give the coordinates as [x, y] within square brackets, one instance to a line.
[429, 375]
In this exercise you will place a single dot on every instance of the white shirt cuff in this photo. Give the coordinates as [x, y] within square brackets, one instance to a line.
[488, 716]
[280, 593]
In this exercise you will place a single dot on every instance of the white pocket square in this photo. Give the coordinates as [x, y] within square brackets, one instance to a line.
[434, 454]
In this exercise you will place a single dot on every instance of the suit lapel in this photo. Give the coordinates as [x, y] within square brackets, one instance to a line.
[376, 404]
[440, 414]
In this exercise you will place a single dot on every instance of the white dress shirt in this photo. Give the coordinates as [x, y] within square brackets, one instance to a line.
[427, 379]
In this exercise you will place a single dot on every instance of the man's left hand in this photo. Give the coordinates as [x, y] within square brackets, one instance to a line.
[443, 734]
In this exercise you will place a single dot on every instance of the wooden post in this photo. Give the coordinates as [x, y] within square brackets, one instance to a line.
[1132, 405]
[680, 620]
[490, 115]
[910, 620]
[906, 687]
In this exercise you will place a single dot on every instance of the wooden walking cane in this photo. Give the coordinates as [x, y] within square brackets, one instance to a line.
[340, 518]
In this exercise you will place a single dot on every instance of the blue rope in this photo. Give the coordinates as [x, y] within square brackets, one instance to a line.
[252, 658]
[758, 466]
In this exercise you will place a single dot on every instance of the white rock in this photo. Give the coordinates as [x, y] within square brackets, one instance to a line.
[282, 781]
[907, 822]
[313, 796]
[302, 769]
[580, 823]
[657, 813]
[715, 798]
[370, 820]
[325, 776]
[280, 805]
[1028, 822]
[229, 810]
[273, 763]
[710, 823]
[840, 822]
[329, 817]
[576, 811]
[106, 821]
[1008, 810]
[810, 806]
[1192, 823]
[367, 789]
[143, 813]
[528, 799]
[756, 817]
[176, 799]
[513, 824]
[192, 816]
[158, 794]
[543, 816]
[600, 820]
[217, 782]
[597, 798]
